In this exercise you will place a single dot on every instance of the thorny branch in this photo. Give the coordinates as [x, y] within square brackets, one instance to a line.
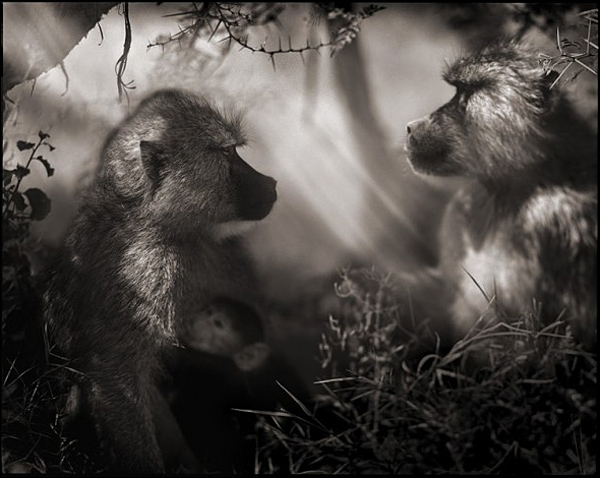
[577, 54]
[233, 22]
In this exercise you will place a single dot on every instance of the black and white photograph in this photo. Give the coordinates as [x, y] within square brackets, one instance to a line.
[299, 238]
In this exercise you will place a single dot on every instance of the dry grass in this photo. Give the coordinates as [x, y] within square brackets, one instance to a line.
[507, 398]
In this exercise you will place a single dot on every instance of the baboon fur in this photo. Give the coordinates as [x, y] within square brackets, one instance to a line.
[525, 225]
[143, 257]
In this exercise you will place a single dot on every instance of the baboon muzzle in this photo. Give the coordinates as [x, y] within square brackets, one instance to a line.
[255, 193]
[416, 131]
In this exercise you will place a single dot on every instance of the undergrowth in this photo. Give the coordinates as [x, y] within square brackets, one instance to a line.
[508, 398]
[32, 388]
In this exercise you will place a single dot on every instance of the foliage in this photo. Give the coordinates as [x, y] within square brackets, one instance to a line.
[507, 398]
[345, 24]
[18, 210]
[234, 22]
[29, 405]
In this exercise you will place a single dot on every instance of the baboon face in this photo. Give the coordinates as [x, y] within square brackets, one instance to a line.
[493, 126]
[224, 327]
[196, 165]
[253, 193]
[213, 331]
[229, 328]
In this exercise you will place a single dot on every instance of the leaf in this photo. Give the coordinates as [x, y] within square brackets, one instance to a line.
[39, 202]
[43, 135]
[19, 201]
[52, 148]
[22, 145]
[20, 172]
[369, 10]
[49, 169]
[7, 175]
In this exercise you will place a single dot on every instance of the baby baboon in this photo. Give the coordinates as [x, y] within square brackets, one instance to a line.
[525, 226]
[232, 329]
[225, 347]
[145, 253]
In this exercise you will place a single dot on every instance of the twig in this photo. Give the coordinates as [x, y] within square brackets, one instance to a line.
[121, 64]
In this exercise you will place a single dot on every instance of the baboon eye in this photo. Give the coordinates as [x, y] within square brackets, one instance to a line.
[229, 151]
[463, 92]
[218, 323]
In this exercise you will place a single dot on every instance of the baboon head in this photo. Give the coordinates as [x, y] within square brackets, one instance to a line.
[183, 162]
[231, 329]
[494, 124]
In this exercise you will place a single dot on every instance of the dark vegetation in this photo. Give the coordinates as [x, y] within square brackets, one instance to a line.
[506, 399]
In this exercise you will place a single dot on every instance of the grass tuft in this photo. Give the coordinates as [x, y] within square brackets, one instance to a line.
[507, 398]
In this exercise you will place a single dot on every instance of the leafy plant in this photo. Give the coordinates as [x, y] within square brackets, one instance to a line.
[33, 204]
[19, 208]
[28, 395]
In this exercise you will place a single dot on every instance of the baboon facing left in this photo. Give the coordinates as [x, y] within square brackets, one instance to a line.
[145, 253]
[525, 226]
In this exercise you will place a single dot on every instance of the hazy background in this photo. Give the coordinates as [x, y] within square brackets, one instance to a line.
[299, 124]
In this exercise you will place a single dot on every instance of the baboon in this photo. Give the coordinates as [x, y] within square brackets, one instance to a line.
[232, 329]
[525, 225]
[147, 250]
[225, 346]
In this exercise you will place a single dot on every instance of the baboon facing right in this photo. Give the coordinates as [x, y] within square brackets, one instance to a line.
[145, 253]
[525, 227]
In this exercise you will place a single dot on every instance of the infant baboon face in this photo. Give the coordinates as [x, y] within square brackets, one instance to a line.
[493, 126]
[214, 332]
[230, 329]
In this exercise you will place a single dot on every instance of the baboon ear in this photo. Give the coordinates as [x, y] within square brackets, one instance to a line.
[153, 159]
[252, 356]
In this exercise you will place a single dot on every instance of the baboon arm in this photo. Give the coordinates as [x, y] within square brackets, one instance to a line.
[176, 453]
[126, 428]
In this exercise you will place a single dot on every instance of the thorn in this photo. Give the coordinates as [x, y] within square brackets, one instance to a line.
[212, 34]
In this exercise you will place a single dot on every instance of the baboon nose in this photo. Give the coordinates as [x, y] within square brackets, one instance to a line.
[273, 188]
[413, 126]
